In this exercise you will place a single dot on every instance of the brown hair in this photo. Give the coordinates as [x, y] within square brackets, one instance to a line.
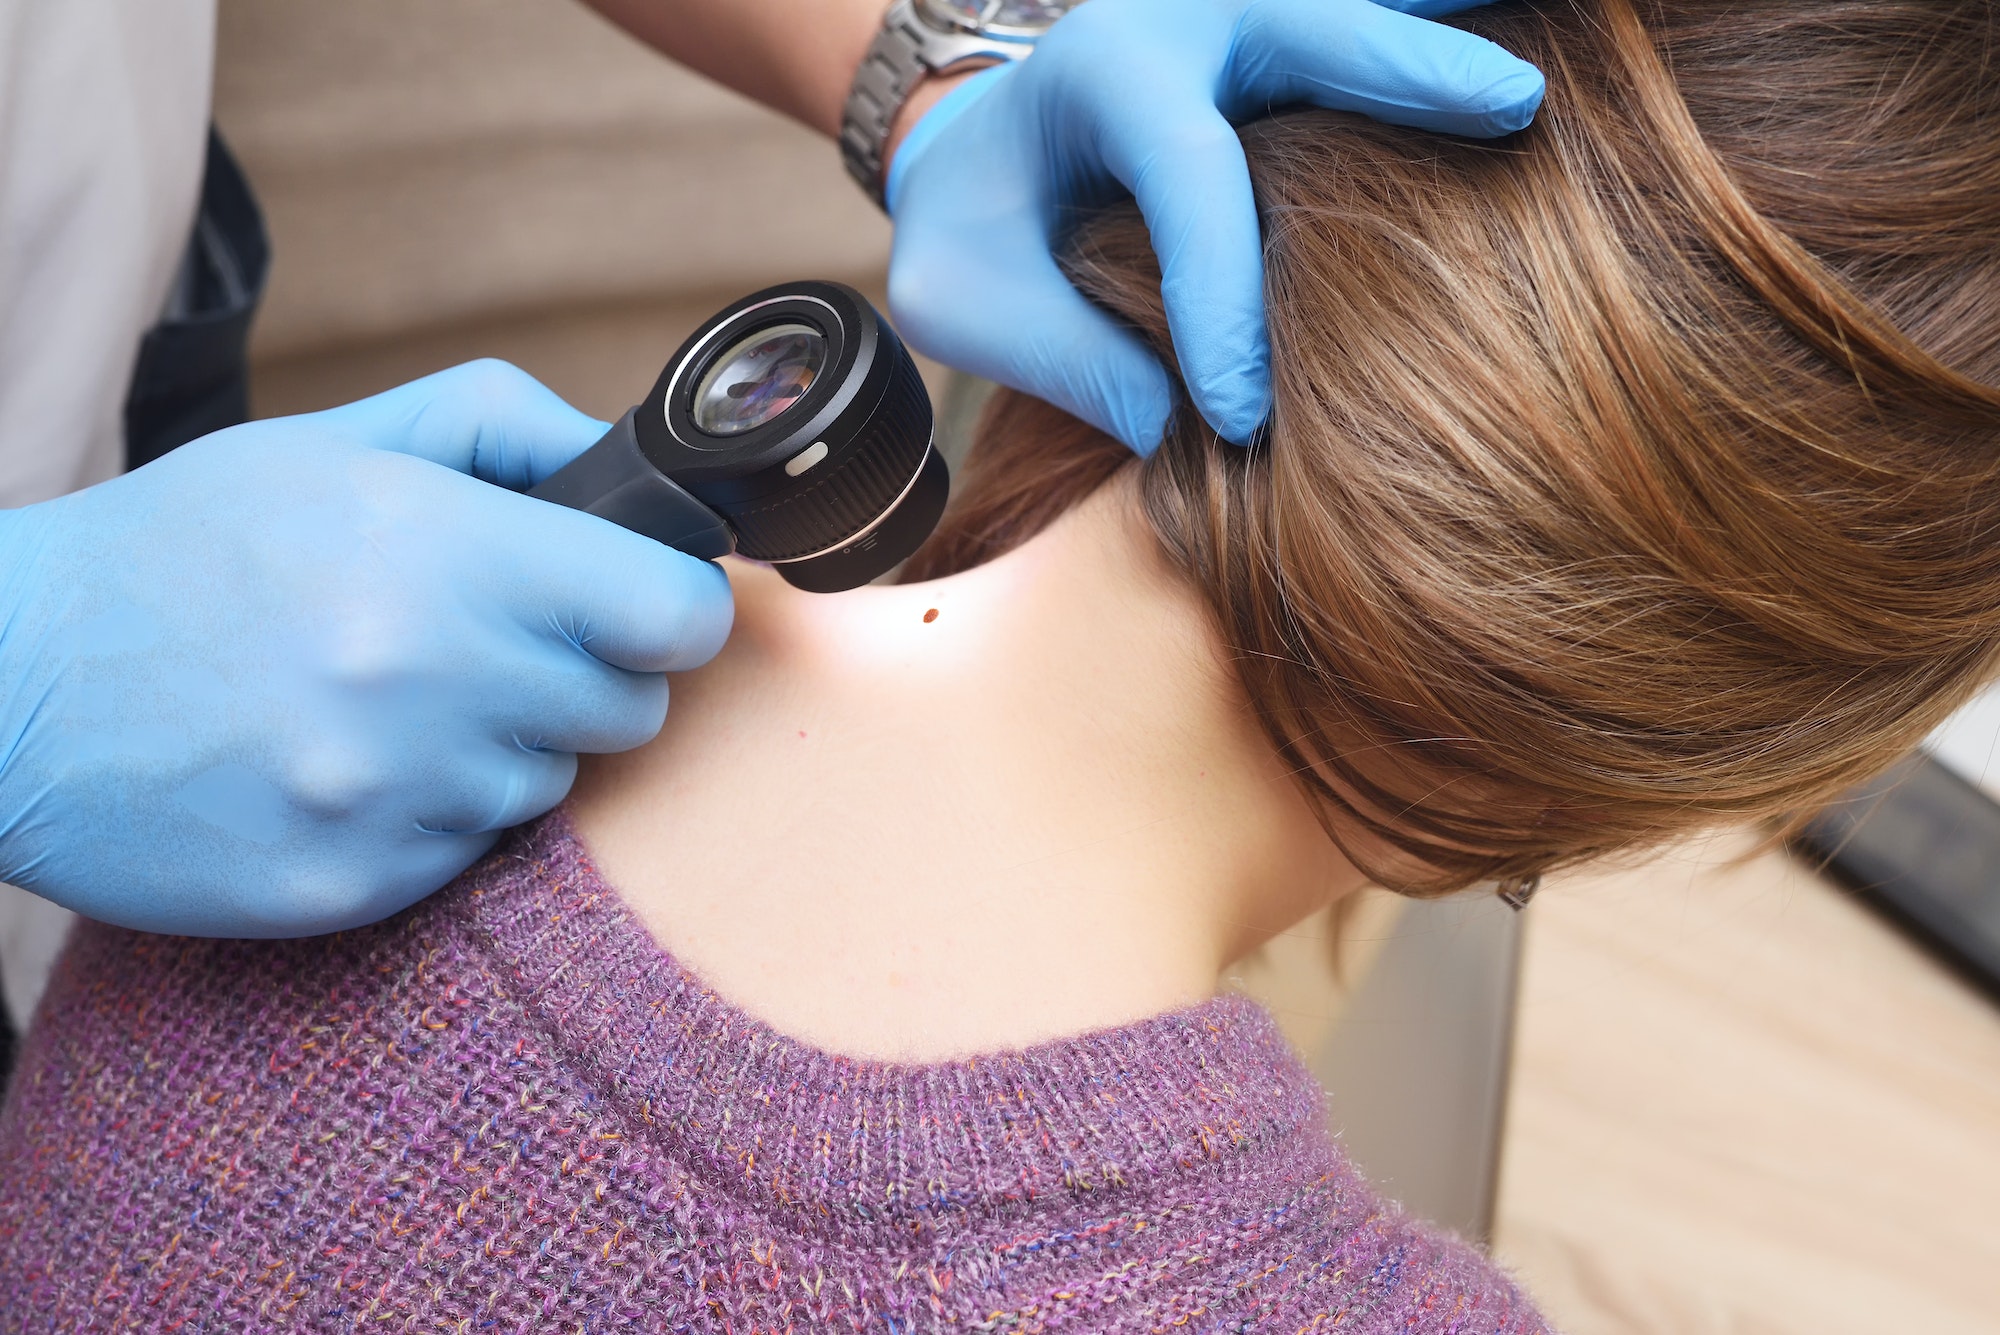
[1636, 473]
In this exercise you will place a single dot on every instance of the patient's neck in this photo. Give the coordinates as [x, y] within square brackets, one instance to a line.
[934, 819]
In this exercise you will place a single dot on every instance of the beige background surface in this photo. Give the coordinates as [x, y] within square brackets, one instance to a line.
[1742, 1104]
[512, 178]
[1739, 1105]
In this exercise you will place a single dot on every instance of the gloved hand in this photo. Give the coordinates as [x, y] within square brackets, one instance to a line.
[298, 674]
[1140, 96]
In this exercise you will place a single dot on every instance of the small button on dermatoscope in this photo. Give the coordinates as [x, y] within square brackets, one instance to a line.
[800, 378]
[806, 458]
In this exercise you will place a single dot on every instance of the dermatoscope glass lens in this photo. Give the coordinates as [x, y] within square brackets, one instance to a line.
[757, 378]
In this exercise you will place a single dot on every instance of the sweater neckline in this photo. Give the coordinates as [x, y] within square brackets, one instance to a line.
[1166, 1102]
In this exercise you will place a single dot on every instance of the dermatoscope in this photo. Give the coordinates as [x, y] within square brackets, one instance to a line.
[791, 428]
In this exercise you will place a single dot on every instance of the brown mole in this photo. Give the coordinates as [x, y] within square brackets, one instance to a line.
[930, 616]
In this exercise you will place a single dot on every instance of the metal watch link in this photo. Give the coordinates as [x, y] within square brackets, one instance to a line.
[921, 38]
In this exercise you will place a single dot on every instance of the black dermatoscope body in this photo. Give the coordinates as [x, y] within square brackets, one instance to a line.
[791, 428]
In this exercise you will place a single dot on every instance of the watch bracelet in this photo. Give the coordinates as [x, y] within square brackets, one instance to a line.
[893, 66]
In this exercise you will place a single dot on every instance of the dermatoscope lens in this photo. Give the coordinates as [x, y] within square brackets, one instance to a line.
[758, 377]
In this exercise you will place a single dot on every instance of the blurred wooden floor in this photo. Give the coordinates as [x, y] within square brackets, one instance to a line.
[1741, 1104]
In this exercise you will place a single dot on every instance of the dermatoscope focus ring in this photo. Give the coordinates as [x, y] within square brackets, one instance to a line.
[844, 495]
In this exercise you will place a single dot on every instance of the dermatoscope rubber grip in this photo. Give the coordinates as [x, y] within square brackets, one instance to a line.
[614, 480]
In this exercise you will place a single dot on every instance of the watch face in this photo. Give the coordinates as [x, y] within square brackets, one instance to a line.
[1000, 18]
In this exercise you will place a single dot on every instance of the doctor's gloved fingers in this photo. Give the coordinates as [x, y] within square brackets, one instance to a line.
[555, 697]
[1354, 55]
[624, 599]
[1187, 171]
[1020, 323]
[337, 893]
[486, 418]
[508, 787]
[1092, 368]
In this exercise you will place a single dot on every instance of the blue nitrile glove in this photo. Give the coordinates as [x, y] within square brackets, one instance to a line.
[1140, 96]
[297, 674]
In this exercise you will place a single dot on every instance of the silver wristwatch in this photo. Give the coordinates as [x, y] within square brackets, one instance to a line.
[920, 38]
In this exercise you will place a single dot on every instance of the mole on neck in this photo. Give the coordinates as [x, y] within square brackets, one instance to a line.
[927, 820]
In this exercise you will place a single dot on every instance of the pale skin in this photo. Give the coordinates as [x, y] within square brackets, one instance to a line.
[1044, 810]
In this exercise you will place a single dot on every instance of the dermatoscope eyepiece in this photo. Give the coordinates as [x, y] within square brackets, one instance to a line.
[792, 428]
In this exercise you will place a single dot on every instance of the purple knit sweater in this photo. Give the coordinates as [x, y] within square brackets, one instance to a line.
[508, 1110]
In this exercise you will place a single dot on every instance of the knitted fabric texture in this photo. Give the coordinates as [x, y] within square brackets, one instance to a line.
[508, 1110]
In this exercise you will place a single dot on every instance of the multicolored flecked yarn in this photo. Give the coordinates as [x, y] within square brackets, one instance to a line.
[508, 1110]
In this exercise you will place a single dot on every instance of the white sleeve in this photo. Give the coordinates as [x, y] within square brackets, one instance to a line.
[104, 108]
